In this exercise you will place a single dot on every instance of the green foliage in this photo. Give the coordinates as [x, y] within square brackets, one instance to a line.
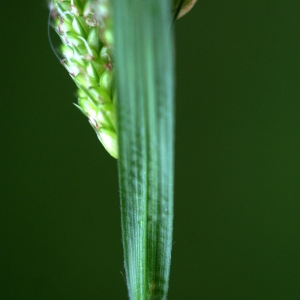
[144, 76]
[142, 114]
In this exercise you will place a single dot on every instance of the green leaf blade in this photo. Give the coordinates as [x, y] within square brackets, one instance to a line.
[145, 112]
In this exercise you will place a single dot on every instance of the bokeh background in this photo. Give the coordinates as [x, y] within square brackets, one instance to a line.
[237, 191]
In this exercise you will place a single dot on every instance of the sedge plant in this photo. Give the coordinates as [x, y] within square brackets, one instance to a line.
[119, 53]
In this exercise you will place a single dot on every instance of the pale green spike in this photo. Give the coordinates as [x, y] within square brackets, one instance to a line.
[90, 63]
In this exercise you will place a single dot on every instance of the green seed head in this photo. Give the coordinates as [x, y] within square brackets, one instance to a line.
[87, 44]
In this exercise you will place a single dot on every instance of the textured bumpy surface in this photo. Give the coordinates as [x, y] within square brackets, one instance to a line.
[87, 44]
[144, 58]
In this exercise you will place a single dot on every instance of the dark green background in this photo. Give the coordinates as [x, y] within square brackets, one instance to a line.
[237, 192]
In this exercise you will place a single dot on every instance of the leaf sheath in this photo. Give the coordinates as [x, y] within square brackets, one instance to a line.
[145, 112]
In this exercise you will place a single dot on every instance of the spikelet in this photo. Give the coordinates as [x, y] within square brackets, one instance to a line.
[184, 5]
[85, 28]
[87, 47]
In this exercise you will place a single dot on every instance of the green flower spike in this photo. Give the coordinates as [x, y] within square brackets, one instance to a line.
[87, 44]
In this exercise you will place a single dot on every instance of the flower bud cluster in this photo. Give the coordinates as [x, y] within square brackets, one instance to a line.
[87, 50]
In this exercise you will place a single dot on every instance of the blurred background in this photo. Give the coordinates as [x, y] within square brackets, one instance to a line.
[237, 186]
